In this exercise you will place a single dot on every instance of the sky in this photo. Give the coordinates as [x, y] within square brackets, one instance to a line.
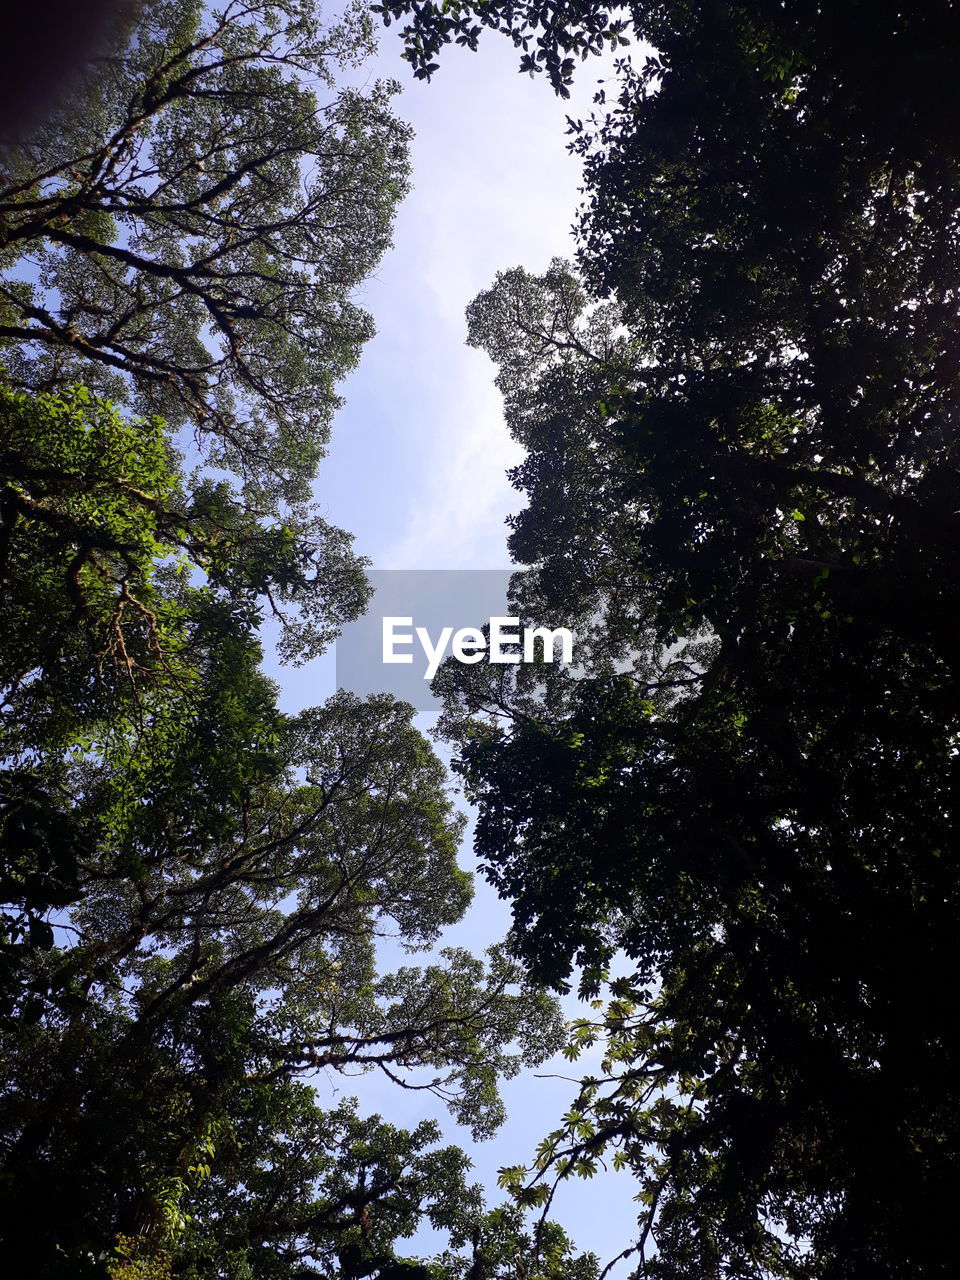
[416, 467]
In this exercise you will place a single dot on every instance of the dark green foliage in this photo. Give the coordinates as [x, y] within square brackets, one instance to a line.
[222, 946]
[40, 849]
[741, 418]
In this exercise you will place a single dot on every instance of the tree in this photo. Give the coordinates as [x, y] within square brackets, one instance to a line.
[194, 228]
[222, 946]
[344, 1190]
[193, 884]
[740, 418]
[104, 545]
[184, 237]
[107, 218]
[194, 888]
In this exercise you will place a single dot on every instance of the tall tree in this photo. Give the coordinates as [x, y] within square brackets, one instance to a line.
[743, 484]
[108, 550]
[240, 869]
[194, 885]
[193, 889]
[189, 233]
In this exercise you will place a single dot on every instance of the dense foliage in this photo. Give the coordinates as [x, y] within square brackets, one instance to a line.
[194, 886]
[188, 235]
[740, 412]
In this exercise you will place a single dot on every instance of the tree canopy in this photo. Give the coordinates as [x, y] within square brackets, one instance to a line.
[740, 412]
[188, 236]
[194, 886]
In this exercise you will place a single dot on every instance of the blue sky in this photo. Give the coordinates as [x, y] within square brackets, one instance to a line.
[417, 460]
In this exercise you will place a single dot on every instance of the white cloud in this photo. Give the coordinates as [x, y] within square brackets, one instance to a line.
[494, 186]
